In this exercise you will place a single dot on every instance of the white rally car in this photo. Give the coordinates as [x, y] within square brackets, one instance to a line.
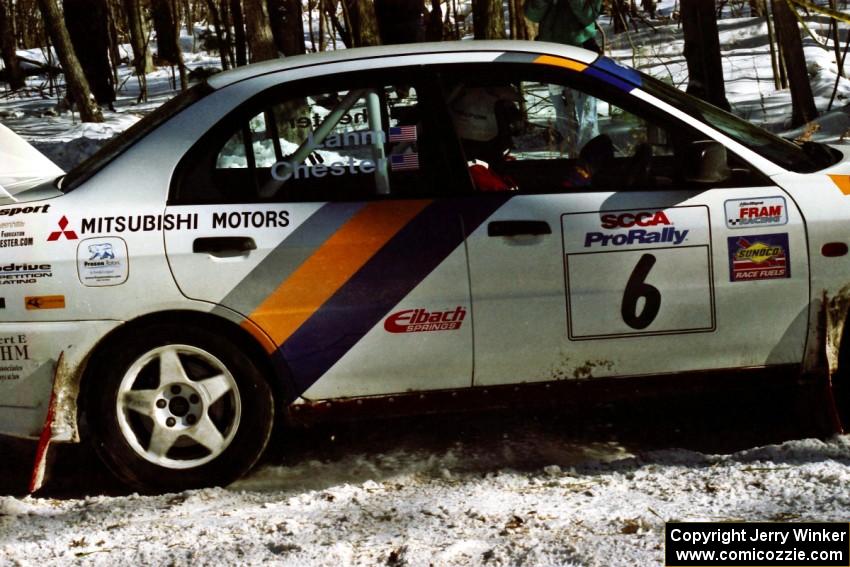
[404, 224]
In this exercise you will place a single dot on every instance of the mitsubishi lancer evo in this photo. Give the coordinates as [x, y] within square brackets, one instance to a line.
[398, 225]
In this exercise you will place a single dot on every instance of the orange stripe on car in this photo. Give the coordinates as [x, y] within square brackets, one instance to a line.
[339, 258]
[561, 62]
[843, 182]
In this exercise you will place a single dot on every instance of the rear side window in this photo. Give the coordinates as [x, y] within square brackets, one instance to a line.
[364, 142]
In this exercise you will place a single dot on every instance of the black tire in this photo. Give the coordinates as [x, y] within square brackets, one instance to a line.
[159, 434]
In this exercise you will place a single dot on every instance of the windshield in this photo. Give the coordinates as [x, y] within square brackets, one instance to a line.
[134, 133]
[802, 159]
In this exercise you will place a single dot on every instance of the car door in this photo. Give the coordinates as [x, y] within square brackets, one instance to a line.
[634, 254]
[316, 222]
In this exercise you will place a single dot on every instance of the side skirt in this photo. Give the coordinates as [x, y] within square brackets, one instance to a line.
[560, 394]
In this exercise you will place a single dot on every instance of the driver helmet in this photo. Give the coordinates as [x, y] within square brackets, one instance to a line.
[485, 114]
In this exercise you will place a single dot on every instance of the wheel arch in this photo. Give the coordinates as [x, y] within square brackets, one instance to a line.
[275, 372]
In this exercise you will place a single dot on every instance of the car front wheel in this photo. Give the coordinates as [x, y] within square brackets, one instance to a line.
[178, 408]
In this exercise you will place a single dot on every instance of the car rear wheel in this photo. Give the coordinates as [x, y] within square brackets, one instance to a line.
[178, 408]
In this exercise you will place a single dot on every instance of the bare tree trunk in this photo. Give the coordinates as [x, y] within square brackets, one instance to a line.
[399, 21]
[219, 34]
[260, 39]
[802, 100]
[488, 19]
[320, 4]
[287, 26]
[364, 22]
[167, 48]
[239, 41]
[142, 60]
[310, 26]
[224, 14]
[434, 27]
[78, 87]
[87, 24]
[771, 41]
[835, 38]
[702, 52]
[14, 75]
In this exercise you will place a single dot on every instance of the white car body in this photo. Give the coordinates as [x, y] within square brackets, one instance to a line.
[385, 297]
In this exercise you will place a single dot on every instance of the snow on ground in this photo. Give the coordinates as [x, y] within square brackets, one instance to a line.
[601, 506]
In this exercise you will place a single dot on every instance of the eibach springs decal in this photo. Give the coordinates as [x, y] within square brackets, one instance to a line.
[419, 320]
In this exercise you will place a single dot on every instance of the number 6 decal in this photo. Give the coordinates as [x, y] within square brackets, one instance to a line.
[637, 288]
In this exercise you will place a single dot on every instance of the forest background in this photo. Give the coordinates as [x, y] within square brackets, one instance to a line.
[85, 44]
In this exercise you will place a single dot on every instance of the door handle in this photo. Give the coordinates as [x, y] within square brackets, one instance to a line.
[224, 245]
[518, 228]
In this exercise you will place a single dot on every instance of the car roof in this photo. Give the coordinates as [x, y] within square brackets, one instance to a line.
[226, 78]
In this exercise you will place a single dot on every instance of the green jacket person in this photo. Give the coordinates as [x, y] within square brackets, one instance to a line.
[572, 22]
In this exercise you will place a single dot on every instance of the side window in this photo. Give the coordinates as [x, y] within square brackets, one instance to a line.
[538, 136]
[327, 145]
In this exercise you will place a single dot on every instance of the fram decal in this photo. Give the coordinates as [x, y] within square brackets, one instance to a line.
[63, 231]
[746, 213]
[44, 302]
[419, 320]
[761, 257]
[659, 225]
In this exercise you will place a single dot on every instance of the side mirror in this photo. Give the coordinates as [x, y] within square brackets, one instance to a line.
[705, 162]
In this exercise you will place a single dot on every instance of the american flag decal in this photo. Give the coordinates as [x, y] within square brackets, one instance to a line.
[403, 162]
[403, 134]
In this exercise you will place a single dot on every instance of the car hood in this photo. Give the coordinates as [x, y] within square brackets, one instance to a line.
[22, 167]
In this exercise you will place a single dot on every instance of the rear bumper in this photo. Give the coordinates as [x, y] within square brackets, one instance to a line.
[29, 374]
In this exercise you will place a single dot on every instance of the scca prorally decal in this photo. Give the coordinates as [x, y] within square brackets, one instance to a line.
[761, 257]
[419, 320]
[24, 210]
[251, 219]
[744, 213]
[139, 223]
[660, 230]
[24, 273]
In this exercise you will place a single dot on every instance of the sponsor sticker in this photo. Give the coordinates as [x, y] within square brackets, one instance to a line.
[138, 223]
[63, 231]
[102, 261]
[421, 320]
[251, 219]
[750, 213]
[759, 257]
[24, 273]
[38, 302]
[635, 227]
[13, 211]
[14, 347]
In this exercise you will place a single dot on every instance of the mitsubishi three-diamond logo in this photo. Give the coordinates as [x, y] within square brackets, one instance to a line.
[69, 234]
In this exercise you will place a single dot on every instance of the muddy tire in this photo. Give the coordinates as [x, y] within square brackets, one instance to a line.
[175, 408]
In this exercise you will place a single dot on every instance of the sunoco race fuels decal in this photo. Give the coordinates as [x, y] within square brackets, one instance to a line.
[761, 257]
[658, 230]
[418, 320]
[746, 213]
